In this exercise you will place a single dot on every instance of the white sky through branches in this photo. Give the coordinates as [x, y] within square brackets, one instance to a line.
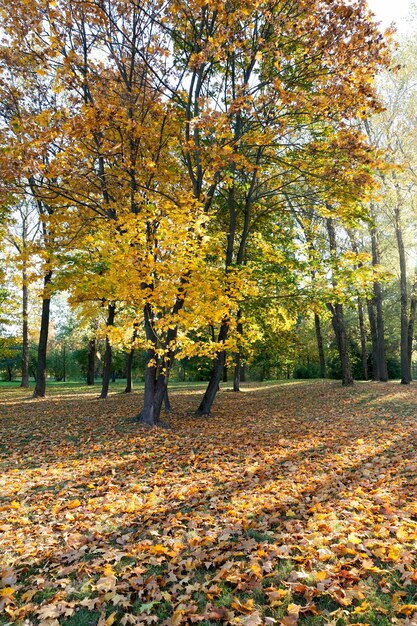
[388, 11]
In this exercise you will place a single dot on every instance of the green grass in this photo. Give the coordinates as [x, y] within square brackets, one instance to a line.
[82, 617]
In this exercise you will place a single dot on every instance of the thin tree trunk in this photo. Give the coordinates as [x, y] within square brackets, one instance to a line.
[64, 364]
[323, 373]
[338, 319]
[213, 385]
[129, 370]
[411, 322]
[374, 340]
[218, 365]
[243, 373]
[238, 356]
[91, 361]
[108, 353]
[225, 372]
[381, 368]
[237, 373]
[167, 403]
[339, 327]
[405, 368]
[40, 386]
[382, 361]
[362, 331]
[344, 353]
[25, 333]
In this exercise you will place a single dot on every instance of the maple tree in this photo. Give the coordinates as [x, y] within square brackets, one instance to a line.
[167, 138]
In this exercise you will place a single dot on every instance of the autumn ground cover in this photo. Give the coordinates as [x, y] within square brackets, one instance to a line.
[293, 504]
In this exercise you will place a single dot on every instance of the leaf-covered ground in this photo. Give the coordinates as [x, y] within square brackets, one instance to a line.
[293, 504]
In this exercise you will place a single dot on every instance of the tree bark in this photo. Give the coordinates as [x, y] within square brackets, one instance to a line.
[25, 333]
[213, 386]
[218, 365]
[225, 372]
[405, 366]
[64, 363]
[157, 375]
[129, 370]
[374, 339]
[411, 322]
[91, 361]
[338, 319]
[108, 353]
[40, 386]
[339, 327]
[147, 415]
[156, 393]
[362, 331]
[381, 368]
[167, 403]
[238, 357]
[237, 373]
[323, 373]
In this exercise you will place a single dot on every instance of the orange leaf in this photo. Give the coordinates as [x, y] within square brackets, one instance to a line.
[246, 609]
[73, 504]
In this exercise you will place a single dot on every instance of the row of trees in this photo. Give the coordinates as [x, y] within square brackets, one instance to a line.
[202, 172]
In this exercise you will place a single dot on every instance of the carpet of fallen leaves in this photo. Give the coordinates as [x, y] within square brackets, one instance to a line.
[293, 504]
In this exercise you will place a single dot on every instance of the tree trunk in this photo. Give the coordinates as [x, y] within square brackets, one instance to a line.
[64, 364]
[40, 386]
[323, 373]
[338, 318]
[382, 361]
[157, 375]
[156, 394]
[167, 403]
[411, 322]
[381, 367]
[129, 371]
[238, 357]
[25, 333]
[155, 382]
[405, 367]
[91, 360]
[374, 339]
[225, 372]
[339, 327]
[147, 415]
[213, 386]
[218, 365]
[243, 373]
[362, 330]
[108, 353]
[237, 373]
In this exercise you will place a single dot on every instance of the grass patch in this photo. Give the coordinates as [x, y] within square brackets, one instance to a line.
[81, 617]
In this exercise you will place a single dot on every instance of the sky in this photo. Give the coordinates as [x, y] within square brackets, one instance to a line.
[388, 11]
